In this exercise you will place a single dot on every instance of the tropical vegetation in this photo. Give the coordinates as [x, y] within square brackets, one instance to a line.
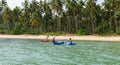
[83, 17]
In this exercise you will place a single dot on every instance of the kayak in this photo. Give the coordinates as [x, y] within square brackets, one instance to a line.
[69, 43]
[72, 44]
[63, 43]
[44, 40]
[58, 43]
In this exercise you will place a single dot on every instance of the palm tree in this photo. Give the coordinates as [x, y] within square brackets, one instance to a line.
[16, 16]
[34, 20]
[47, 17]
[33, 6]
[40, 13]
[91, 14]
[26, 14]
[7, 17]
[116, 9]
[3, 3]
[57, 8]
[69, 15]
[112, 8]
[74, 13]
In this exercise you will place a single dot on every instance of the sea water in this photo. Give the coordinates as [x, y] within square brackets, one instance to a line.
[34, 52]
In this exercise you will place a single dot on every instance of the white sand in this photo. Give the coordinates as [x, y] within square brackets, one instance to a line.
[83, 38]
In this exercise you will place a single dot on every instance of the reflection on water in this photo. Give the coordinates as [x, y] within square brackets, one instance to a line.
[33, 52]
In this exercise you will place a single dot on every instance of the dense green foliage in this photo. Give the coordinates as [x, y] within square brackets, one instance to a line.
[69, 16]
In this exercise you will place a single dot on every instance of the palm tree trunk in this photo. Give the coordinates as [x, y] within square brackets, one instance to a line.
[59, 24]
[53, 26]
[26, 25]
[116, 25]
[69, 27]
[76, 24]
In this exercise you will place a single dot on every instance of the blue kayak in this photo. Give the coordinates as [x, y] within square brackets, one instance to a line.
[63, 43]
[69, 43]
[58, 43]
[72, 44]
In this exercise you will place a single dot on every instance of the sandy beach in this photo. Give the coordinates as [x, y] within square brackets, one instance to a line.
[83, 38]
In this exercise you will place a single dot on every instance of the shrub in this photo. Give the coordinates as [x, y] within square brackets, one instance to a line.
[82, 32]
[17, 30]
[54, 33]
[118, 31]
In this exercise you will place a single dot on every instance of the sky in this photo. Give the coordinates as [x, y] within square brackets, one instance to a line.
[13, 3]
[100, 1]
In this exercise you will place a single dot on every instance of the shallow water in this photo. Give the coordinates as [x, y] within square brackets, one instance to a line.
[33, 52]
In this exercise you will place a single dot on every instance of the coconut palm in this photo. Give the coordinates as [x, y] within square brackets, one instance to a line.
[3, 3]
[26, 14]
[57, 7]
[7, 17]
[47, 16]
[91, 15]
[112, 8]
[16, 16]
[34, 21]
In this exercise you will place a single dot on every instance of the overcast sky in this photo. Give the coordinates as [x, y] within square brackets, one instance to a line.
[13, 3]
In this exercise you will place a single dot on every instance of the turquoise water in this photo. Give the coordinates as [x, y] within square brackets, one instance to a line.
[33, 52]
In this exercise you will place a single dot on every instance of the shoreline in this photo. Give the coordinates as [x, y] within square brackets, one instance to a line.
[74, 38]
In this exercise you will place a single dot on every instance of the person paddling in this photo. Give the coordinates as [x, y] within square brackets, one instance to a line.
[46, 39]
[56, 42]
[70, 40]
[53, 40]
